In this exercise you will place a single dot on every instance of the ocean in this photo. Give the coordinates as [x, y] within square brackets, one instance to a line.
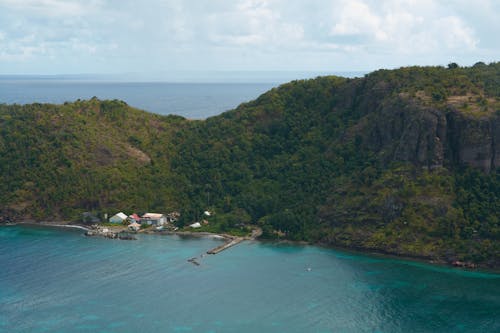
[190, 100]
[58, 280]
[194, 95]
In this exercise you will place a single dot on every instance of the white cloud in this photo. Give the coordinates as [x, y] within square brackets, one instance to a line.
[252, 23]
[37, 30]
[50, 8]
[130, 35]
[455, 33]
[356, 18]
[404, 27]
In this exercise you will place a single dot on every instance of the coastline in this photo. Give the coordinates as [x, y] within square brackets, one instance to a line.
[60, 224]
[436, 262]
[431, 262]
[118, 228]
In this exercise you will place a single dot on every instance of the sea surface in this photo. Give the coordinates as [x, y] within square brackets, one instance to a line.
[57, 280]
[190, 100]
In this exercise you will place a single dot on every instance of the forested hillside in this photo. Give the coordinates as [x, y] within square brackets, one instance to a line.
[401, 161]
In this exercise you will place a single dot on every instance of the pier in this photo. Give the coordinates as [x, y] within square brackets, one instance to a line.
[256, 232]
[225, 246]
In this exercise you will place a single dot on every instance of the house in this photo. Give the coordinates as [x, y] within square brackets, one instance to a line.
[134, 226]
[118, 218]
[154, 219]
[134, 218]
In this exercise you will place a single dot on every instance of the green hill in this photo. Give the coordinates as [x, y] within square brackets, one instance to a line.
[401, 161]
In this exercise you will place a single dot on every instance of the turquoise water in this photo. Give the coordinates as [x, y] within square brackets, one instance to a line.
[57, 280]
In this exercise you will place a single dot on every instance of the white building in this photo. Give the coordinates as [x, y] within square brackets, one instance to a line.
[118, 218]
[154, 219]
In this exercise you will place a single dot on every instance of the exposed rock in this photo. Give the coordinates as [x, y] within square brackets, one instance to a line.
[104, 232]
[138, 155]
[464, 264]
[403, 130]
[472, 140]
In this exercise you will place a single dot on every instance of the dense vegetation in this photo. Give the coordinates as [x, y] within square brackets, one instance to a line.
[400, 161]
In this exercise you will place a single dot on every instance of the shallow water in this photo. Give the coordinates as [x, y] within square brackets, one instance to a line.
[57, 280]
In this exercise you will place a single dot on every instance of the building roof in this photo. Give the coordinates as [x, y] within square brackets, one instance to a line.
[135, 217]
[134, 225]
[153, 216]
[121, 215]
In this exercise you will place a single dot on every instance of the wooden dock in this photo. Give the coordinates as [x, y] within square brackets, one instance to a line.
[225, 246]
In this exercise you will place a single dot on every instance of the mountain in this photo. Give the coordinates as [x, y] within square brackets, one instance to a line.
[400, 161]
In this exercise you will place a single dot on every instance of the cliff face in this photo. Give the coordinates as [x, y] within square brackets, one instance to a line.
[474, 141]
[404, 130]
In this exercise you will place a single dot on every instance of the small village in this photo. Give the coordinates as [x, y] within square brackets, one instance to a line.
[124, 227]
[114, 226]
[121, 226]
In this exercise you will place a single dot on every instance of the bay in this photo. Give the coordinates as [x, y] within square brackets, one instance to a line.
[57, 280]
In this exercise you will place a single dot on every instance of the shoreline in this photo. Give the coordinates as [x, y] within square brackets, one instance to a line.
[229, 238]
[61, 224]
[431, 262]
[118, 228]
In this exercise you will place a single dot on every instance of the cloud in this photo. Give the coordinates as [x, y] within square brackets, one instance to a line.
[455, 33]
[50, 8]
[356, 18]
[404, 27]
[125, 35]
[251, 23]
[35, 30]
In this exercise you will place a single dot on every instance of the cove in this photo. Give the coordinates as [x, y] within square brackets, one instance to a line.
[57, 280]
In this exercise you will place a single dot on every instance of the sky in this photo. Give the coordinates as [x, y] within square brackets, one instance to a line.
[151, 37]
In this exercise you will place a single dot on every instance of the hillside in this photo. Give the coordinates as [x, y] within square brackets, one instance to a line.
[58, 160]
[401, 161]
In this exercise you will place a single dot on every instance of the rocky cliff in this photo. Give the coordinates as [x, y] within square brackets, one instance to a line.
[429, 134]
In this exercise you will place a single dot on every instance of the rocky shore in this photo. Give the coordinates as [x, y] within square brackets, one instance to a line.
[97, 230]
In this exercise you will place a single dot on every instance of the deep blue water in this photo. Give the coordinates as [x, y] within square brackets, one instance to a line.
[190, 100]
[57, 280]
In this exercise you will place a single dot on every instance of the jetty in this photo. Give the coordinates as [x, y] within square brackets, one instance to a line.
[232, 241]
[225, 246]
